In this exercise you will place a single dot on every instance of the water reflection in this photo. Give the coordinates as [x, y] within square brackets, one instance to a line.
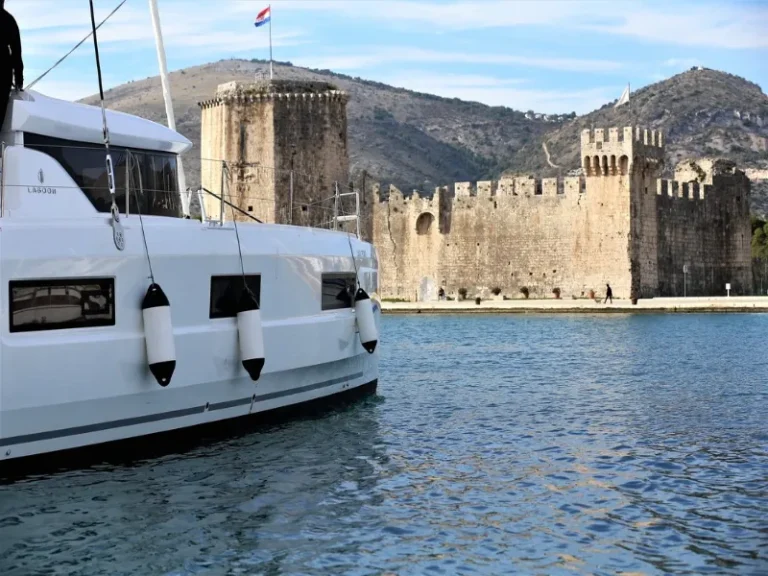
[546, 445]
[245, 500]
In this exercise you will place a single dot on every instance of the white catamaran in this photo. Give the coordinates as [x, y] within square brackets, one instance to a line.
[121, 318]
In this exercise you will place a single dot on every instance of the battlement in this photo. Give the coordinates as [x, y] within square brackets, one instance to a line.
[627, 135]
[614, 221]
[274, 90]
[506, 187]
[690, 190]
[510, 187]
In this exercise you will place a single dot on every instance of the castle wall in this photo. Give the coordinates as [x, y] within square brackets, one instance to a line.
[569, 234]
[706, 227]
[310, 135]
[252, 147]
[238, 128]
[211, 146]
[264, 131]
[644, 227]
[620, 224]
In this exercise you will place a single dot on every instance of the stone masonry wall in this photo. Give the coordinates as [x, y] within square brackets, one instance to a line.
[571, 234]
[266, 130]
[211, 146]
[620, 224]
[311, 136]
[237, 128]
[706, 227]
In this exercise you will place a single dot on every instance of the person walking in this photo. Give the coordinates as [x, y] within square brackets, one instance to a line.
[11, 64]
[608, 294]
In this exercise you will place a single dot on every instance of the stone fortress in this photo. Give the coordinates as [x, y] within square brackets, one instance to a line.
[618, 223]
[284, 146]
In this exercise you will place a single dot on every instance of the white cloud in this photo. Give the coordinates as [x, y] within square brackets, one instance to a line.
[721, 25]
[187, 23]
[212, 29]
[448, 16]
[384, 55]
[500, 92]
[468, 80]
[50, 29]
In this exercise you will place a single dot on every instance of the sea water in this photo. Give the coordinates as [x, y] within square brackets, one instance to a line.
[610, 444]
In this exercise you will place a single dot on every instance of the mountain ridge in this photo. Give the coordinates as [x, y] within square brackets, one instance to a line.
[418, 141]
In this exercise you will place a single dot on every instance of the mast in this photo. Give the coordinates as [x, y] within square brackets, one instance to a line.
[167, 97]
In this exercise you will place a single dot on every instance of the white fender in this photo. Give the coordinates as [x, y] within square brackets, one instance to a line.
[250, 335]
[158, 334]
[366, 325]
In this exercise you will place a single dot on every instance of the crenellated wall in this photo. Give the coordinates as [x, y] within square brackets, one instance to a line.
[540, 234]
[704, 227]
[620, 224]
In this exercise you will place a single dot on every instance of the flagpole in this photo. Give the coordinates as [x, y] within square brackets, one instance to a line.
[270, 41]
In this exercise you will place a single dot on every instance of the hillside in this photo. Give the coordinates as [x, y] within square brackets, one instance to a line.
[411, 139]
[701, 112]
[417, 140]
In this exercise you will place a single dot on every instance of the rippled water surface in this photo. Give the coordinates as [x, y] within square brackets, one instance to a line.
[507, 444]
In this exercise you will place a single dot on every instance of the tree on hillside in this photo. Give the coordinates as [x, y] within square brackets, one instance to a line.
[759, 238]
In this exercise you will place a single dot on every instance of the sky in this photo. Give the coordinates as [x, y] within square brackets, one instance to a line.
[550, 56]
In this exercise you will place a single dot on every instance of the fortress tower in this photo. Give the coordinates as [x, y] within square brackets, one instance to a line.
[274, 137]
[621, 152]
[623, 164]
[618, 223]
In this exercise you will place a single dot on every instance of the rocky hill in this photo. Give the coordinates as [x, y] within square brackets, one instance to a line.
[396, 135]
[417, 140]
[702, 112]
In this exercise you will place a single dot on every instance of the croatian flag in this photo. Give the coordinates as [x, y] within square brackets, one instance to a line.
[263, 17]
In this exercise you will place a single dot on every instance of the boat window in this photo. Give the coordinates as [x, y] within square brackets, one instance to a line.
[61, 303]
[338, 290]
[226, 292]
[86, 164]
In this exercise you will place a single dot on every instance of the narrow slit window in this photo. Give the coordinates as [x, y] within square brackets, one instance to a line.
[61, 303]
[338, 290]
[226, 292]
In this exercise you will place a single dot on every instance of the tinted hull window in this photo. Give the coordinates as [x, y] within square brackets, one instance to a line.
[338, 291]
[226, 292]
[61, 304]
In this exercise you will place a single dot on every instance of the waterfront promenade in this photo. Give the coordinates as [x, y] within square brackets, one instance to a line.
[552, 305]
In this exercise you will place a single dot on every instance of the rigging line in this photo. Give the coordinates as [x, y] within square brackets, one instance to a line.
[239, 249]
[221, 199]
[354, 262]
[98, 71]
[138, 211]
[110, 171]
[44, 74]
[260, 166]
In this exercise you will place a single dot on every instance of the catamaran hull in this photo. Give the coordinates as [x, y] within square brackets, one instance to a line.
[73, 387]
[199, 405]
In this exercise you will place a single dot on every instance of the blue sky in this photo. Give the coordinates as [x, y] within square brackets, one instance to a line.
[550, 56]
